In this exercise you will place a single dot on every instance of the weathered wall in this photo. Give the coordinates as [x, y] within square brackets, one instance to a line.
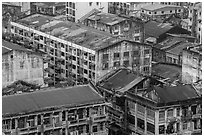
[18, 65]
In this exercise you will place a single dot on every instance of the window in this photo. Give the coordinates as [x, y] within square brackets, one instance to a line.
[140, 123]
[126, 54]
[136, 53]
[161, 115]
[21, 64]
[126, 63]
[116, 55]
[146, 51]
[105, 56]
[97, 3]
[179, 10]
[146, 69]
[161, 129]
[131, 119]
[193, 109]
[185, 126]
[73, 5]
[95, 129]
[178, 111]
[150, 127]
[116, 64]
[146, 61]
[90, 3]
[101, 126]
[150, 12]
[140, 109]
[162, 12]
[155, 12]
[105, 66]
[170, 11]
[170, 113]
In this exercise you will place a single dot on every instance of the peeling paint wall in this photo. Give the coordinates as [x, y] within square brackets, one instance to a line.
[17, 65]
[191, 67]
[132, 55]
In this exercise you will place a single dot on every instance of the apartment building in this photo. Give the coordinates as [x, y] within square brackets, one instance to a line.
[119, 8]
[192, 64]
[19, 63]
[76, 10]
[81, 52]
[48, 8]
[114, 87]
[77, 110]
[159, 11]
[121, 26]
[165, 110]
[195, 20]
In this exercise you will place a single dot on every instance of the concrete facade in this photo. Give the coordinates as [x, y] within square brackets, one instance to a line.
[18, 65]
[191, 65]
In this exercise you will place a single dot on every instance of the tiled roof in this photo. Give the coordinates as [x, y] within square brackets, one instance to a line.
[122, 80]
[49, 99]
[8, 46]
[155, 29]
[177, 93]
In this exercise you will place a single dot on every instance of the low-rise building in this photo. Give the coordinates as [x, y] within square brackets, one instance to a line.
[195, 17]
[48, 8]
[74, 9]
[192, 64]
[121, 26]
[165, 110]
[155, 11]
[78, 51]
[170, 49]
[76, 110]
[114, 88]
[156, 32]
[19, 63]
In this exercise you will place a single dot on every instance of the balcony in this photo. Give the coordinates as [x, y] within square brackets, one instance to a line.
[126, 28]
[131, 127]
[99, 118]
[58, 124]
[48, 126]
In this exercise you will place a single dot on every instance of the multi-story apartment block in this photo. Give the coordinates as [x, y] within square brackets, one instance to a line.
[155, 11]
[48, 8]
[77, 110]
[19, 63]
[165, 110]
[119, 7]
[78, 51]
[121, 26]
[195, 20]
[192, 64]
[74, 9]
[113, 86]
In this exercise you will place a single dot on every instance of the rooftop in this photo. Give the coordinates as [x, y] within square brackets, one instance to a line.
[8, 46]
[49, 99]
[173, 72]
[176, 93]
[107, 18]
[49, 4]
[122, 80]
[77, 33]
[177, 50]
[155, 29]
[154, 7]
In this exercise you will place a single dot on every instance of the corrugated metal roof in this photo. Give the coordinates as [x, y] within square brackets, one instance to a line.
[177, 93]
[122, 80]
[41, 100]
[155, 29]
